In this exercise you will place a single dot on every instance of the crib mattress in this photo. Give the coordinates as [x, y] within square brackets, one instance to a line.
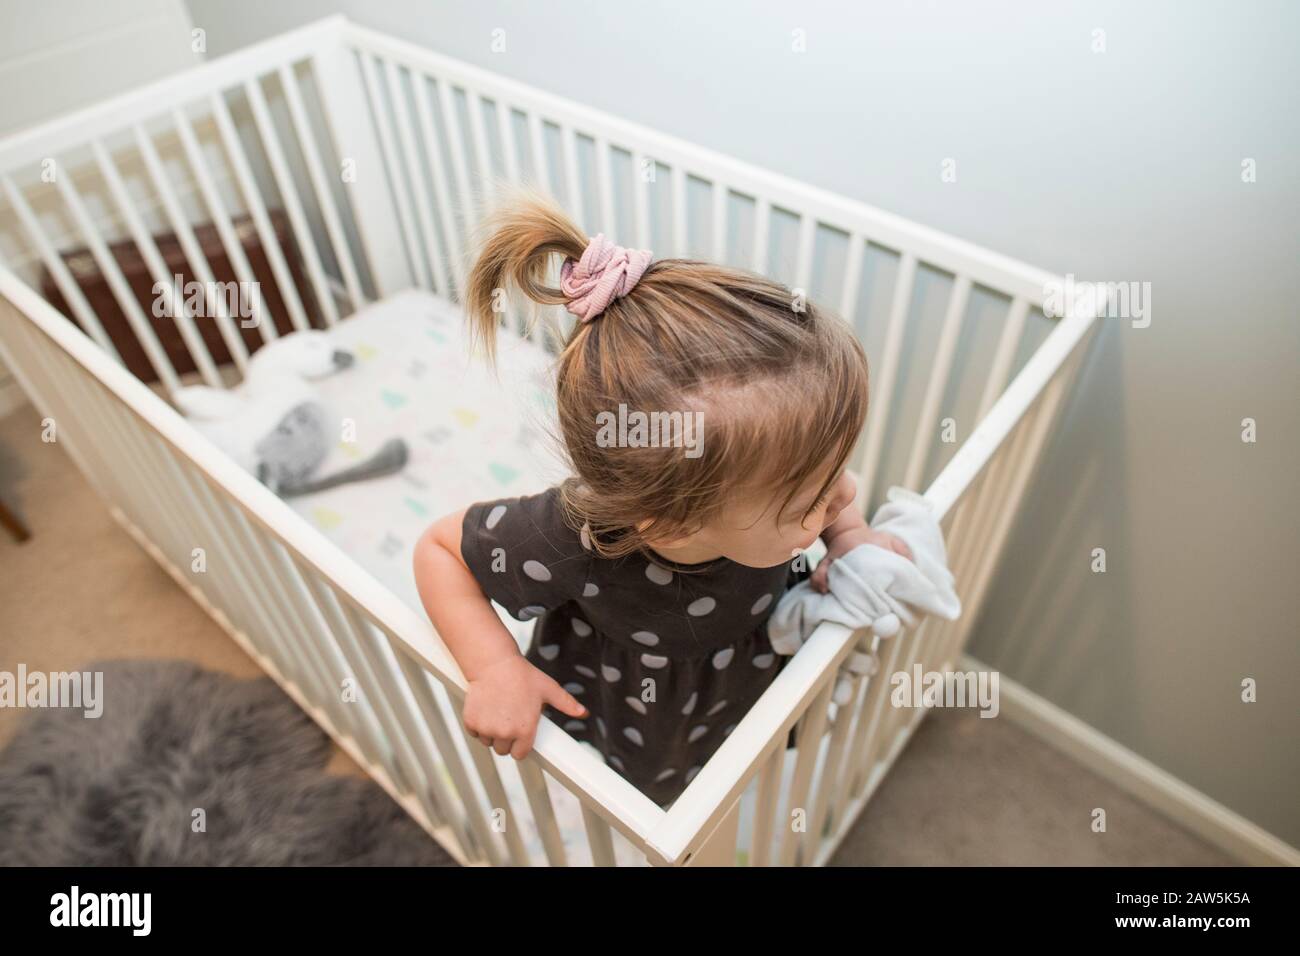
[471, 435]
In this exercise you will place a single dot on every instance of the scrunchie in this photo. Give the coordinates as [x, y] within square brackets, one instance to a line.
[605, 272]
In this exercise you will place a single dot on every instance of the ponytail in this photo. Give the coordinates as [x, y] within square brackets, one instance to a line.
[517, 239]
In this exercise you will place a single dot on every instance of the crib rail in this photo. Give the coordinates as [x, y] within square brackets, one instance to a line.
[382, 156]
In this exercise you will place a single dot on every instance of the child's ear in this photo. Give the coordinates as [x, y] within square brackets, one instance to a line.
[653, 539]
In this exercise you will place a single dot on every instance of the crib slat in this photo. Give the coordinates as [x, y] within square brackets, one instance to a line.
[446, 209]
[378, 687]
[318, 635]
[857, 711]
[940, 375]
[288, 188]
[769, 795]
[810, 737]
[681, 238]
[1050, 406]
[509, 148]
[456, 146]
[257, 626]
[879, 414]
[117, 284]
[873, 704]
[510, 158]
[478, 839]
[384, 657]
[598, 838]
[482, 153]
[392, 164]
[164, 520]
[572, 187]
[303, 671]
[180, 314]
[56, 392]
[969, 540]
[414, 734]
[224, 224]
[249, 609]
[979, 498]
[490, 777]
[414, 168]
[71, 401]
[198, 262]
[366, 729]
[1000, 371]
[313, 675]
[892, 720]
[539, 800]
[804, 256]
[720, 193]
[762, 233]
[980, 560]
[376, 723]
[605, 188]
[965, 543]
[832, 773]
[478, 133]
[641, 166]
[71, 292]
[222, 571]
[261, 220]
[541, 162]
[166, 500]
[341, 89]
[852, 278]
[321, 184]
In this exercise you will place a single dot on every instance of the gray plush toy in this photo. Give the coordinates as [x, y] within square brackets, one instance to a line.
[275, 423]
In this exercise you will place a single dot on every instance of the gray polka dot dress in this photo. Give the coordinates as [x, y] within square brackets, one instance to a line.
[667, 658]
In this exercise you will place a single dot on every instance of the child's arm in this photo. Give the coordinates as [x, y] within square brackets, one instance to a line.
[505, 695]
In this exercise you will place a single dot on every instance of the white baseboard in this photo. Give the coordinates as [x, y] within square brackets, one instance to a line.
[1187, 806]
[12, 397]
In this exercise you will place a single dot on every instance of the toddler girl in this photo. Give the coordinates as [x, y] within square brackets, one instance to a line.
[651, 571]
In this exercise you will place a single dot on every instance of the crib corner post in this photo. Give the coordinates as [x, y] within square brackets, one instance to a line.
[720, 847]
[370, 194]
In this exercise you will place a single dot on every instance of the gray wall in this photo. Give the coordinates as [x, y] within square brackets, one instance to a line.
[1115, 166]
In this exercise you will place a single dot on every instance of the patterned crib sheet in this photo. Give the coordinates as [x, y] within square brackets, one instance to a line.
[471, 434]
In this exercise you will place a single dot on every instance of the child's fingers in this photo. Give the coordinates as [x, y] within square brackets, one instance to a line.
[901, 547]
[563, 701]
[522, 745]
[502, 745]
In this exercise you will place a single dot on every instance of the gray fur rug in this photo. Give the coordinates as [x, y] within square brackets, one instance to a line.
[121, 789]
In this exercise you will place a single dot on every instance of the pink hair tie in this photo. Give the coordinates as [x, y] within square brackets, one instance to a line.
[604, 273]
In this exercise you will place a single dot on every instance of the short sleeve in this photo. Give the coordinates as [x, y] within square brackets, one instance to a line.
[524, 554]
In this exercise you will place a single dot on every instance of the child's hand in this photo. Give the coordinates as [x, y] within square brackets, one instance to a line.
[846, 541]
[504, 703]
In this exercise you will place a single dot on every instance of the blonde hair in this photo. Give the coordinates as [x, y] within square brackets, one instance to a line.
[780, 389]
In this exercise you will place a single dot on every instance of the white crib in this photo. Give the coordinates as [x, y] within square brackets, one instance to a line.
[373, 148]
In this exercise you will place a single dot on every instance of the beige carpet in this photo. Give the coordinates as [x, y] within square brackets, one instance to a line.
[966, 791]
